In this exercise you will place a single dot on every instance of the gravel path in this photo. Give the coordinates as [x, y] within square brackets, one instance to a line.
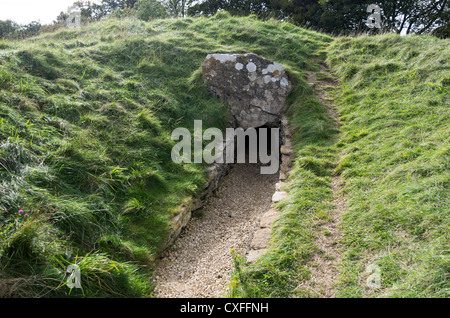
[199, 264]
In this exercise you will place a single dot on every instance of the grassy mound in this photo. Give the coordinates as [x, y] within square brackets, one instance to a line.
[86, 175]
[85, 123]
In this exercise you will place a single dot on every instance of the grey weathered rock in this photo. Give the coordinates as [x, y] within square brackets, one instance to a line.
[285, 150]
[253, 255]
[254, 88]
[261, 238]
[278, 196]
[268, 218]
[279, 186]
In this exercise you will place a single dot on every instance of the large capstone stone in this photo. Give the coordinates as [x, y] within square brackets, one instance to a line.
[255, 89]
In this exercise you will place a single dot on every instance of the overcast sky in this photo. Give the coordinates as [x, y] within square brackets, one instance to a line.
[25, 11]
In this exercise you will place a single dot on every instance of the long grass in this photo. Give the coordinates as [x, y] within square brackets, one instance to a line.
[85, 122]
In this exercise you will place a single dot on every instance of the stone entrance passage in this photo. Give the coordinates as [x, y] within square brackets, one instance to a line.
[239, 212]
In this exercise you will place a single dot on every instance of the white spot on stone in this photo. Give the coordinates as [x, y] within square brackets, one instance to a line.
[274, 79]
[284, 82]
[251, 67]
[239, 66]
[272, 68]
[267, 79]
[222, 58]
[277, 66]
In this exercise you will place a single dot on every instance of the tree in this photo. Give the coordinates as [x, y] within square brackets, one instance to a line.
[112, 5]
[31, 29]
[178, 8]
[343, 16]
[234, 7]
[11, 30]
[338, 16]
[432, 15]
[150, 9]
[399, 16]
[8, 28]
[207, 8]
[300, 12]
[443, 31]
[98, 11]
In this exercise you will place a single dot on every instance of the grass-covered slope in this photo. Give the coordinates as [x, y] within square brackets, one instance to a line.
[391, 150]
[85, 123]
[395, 155]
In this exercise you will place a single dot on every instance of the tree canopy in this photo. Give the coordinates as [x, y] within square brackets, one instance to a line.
[331, 16]
[338, 16]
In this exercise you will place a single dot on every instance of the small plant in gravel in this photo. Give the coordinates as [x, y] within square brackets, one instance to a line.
[239, 280]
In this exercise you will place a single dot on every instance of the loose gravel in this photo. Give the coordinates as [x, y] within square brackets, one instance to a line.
[199, 263]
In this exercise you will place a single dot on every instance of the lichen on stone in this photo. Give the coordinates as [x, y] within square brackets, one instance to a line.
[254, 88]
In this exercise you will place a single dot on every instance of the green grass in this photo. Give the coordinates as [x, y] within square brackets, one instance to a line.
[392, 152]
[394, 102]
[85, 123]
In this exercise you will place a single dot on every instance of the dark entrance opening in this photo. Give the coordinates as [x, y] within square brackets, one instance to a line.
[261, 139]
